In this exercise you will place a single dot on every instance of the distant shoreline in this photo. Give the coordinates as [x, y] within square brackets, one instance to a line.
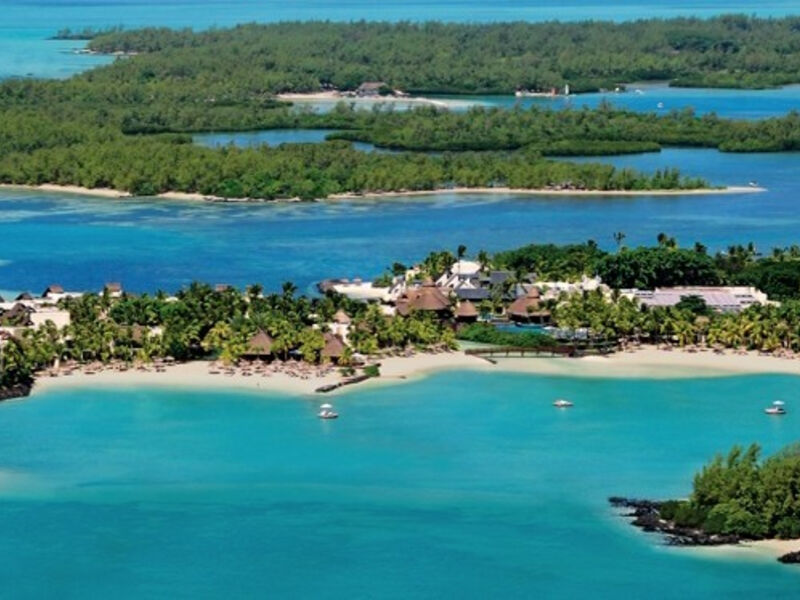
[339, 97]
[193, 196]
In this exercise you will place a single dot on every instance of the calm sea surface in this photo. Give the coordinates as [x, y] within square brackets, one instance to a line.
[149, 244]
[463, 485]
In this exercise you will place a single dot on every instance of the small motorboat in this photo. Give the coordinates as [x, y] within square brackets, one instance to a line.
[326, 412]
[561, 403]
[776, 408]
[660, 105]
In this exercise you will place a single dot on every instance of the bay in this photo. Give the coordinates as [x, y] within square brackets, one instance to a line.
[460, 485]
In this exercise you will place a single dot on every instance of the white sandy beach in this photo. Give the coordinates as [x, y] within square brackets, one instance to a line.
[197, 197]
[320, 97]
[767, 549]
[67, 189]
[645, 363]
[550, 192]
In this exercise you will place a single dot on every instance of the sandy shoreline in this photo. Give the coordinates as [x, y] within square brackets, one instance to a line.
[548, 192]
[338, 97]
[66, 189]
[197, 197]
[645, 363]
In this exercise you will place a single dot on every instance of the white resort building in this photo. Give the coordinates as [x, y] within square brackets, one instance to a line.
[718, 298]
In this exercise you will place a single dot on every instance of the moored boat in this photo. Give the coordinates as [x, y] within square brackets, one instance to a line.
[776, 408]
[326, 412]
[561, 403]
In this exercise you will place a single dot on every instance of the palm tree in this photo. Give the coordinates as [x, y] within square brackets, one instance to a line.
[619, 236]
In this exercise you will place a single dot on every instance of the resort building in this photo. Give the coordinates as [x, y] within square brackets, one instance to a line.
[466, 312]
[527, 309]
[260, 345]
[340, 326]
[114, 289]
[370, 88]
[425, 298]
[718, 298]
[334, 347]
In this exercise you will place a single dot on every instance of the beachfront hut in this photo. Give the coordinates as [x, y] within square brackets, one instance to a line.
[24, 296]
[527, 309]
[53, 290]
[426, 298]
[466, 312]
[370, 88]
[221, 287]
[260, 345]
[334, 347]
[114, 289]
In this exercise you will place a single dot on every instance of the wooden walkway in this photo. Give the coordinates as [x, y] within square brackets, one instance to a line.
[561, 350]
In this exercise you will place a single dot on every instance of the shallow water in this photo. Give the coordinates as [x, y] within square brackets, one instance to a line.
[272, 137]
[149, 244]
[459, 485]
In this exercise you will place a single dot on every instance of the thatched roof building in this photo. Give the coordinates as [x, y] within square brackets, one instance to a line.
[426, 298]
[341, 317]
[52, 289]
[260, 344]
[527, 308]
[334, 347]
[24, 296]
[466, 312]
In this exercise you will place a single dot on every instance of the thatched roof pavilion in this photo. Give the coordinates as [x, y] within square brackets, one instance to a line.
[52, 289]
[426, 298]
[466, 312]
[24, 296]
[260, 344]
[527, 308]
[334, 347]
[341, 317]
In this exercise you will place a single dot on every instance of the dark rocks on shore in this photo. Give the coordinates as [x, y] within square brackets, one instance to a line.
[792, 558]
[15, 391]
[647, 516]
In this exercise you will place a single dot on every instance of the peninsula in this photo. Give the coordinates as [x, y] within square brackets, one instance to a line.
[557, 309]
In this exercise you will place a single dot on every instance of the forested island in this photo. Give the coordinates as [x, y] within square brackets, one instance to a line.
[127, 126]
[730, 51]
[734, 498]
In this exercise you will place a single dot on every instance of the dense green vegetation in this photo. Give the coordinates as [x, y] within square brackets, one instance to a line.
[742, 495]
[485, 333]
[150, 166]
[729, 51]
[603, 131]
[206, 323]
[666, 264]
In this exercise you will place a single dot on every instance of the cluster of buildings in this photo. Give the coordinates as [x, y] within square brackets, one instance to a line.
[461, 289]
[28, 311]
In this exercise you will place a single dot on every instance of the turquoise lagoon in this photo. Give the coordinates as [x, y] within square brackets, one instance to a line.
[460, 485]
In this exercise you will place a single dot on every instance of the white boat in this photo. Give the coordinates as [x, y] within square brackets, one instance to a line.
[660, 105]
[561, 403]
[326, 412]
[776, 408]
